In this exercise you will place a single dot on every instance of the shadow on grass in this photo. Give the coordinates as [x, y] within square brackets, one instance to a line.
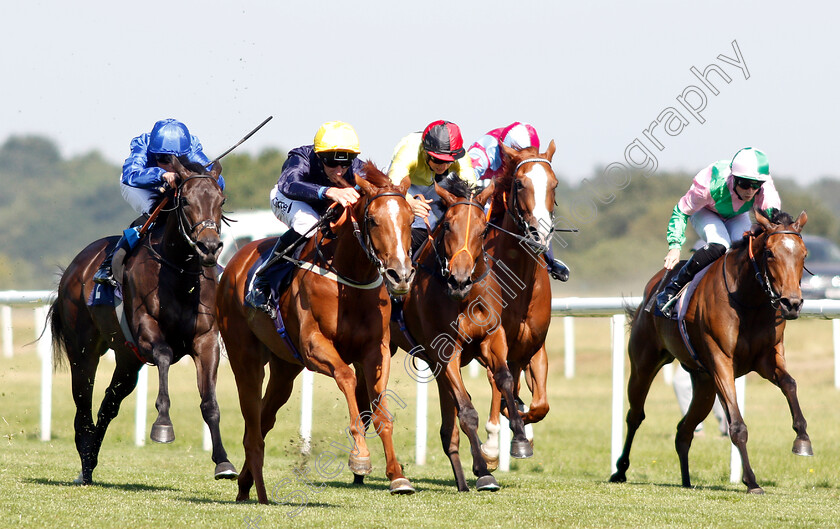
[253, 501]
[130, 487]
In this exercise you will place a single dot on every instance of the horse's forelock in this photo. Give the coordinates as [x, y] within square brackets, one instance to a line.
[458, 186]
[375, 176]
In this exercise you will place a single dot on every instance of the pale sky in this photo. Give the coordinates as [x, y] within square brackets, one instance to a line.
[590, 75]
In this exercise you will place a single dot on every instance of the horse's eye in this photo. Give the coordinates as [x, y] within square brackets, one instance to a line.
[768, 254]
[446, 226]
[223, 201]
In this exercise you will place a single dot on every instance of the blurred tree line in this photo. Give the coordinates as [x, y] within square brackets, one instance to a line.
[51, 207]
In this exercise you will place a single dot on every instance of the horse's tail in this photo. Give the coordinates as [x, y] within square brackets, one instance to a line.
[631, 313]
[59, 337]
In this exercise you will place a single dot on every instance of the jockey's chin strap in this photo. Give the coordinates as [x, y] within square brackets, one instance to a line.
[764, 278]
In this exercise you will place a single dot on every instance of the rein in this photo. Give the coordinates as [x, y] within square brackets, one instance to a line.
[762, 278]
[513, 207]
[443, 261]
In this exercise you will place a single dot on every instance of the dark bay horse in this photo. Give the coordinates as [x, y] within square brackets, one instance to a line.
[334, 323]
[452, 314]
[169, 288]
[735, 322]
[521, 226]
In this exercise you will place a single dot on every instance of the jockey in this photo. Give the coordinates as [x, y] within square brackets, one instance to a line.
[486, 158]
[426, 158]
[147, 173]
[718, 204]
[313, 177]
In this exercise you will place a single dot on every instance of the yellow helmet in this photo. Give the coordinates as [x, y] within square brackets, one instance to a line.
[336, 136]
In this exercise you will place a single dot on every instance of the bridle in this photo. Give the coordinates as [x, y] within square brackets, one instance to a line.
[515, 212]
[183, 221]
[763, 277]
[443, 262]
[363, 233]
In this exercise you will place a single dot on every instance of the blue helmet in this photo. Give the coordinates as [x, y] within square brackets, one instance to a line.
[169, 136]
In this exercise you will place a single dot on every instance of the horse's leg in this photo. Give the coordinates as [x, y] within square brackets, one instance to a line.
[494, 352]
[377, 367]
[83, 360]
[460, 403]
[536, 375]
[645, 361]
[702, 400]
[490, 449]
[363, 401]
[123, 382]
[162, 430]
[775, 370]
[725, 382]
[206, 360]
[449, 436]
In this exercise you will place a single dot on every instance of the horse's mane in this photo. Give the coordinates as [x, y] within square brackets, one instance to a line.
[777, 216]
[505, 180]
[459, 187]
[375, 176]
[192, 166]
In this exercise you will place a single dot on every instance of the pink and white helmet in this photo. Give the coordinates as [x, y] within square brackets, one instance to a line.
[520, 136]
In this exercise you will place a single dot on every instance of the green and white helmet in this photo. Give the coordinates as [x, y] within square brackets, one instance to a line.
[750, 163]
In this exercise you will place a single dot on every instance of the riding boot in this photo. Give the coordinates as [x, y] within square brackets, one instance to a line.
[105, 275]
[700, 260]
[259, 295]
[556, 268]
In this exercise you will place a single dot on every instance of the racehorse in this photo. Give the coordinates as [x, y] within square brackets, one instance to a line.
[520, 232]
[735, 323]
[452, 314]
[334, 321]
[169, 288]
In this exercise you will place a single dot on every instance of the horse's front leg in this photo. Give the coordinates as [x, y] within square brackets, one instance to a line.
[206, 358]
[776, 372]
[725, 382]
[494, 353]
[377, 367]
[536, 376]
[490, 449]
[151, 339]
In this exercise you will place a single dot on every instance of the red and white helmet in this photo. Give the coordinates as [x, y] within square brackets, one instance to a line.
[520, 136]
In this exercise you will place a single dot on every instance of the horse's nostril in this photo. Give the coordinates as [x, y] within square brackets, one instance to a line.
[392, 275]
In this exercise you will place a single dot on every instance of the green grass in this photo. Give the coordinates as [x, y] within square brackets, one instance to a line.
[564, 485]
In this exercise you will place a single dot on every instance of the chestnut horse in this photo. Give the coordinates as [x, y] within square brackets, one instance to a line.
[452, 315]
[735, 322]
[521, 227]
[169, 288]
[333, 326]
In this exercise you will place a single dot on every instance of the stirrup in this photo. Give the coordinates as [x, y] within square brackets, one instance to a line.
[559, 270]
[666, 305]
[259, 300]
[105, 276]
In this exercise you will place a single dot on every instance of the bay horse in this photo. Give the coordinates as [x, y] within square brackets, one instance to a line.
[334, 324]
[521, 227]
[169, 290]
[452, 315]
[735, 322]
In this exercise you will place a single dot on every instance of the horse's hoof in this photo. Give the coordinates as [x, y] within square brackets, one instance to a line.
[225, 470]
[756, 490]
[802, 447]
[80, 480]
[162, 433]
[358, 479]
[401, 486]
[618, 477]
[492, 461]
[360, 465]
[487, 482]
[521, 449]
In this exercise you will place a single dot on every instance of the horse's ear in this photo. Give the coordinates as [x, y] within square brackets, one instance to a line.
[446, 197]
[549, 153]
[482, 197]
[404, 185]
[179, 167]
[216, 171]
[761, 218]
[509, 152]
[800, 221]
[367, 187]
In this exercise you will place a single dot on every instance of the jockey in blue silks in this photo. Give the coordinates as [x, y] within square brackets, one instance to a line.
[147, 173]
